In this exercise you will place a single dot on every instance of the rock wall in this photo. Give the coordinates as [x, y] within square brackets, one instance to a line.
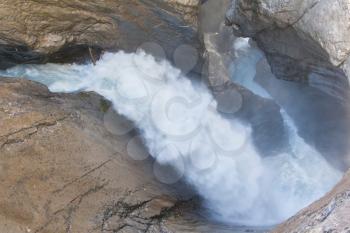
[235, 100]
[304, 40]
[189, 9]
[63, 30]
[62, 168]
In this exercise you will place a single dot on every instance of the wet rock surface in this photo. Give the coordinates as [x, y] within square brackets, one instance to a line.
[235, 101]
[61, 170]
[189, 8]
[321, 119]
[304, 41]
[62, 31]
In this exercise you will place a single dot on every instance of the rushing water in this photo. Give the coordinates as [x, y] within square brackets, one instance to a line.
[181, 127]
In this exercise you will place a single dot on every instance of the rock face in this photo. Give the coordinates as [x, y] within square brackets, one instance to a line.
[61, 170]
[189, 8]
[304, 40]
[38, 31]
[307, 41]
[329, 214]
[323, 21]
[235, 101]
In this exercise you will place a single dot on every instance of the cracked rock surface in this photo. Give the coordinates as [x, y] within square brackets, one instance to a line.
[62, 171]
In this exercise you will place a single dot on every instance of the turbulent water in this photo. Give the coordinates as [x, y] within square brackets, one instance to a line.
[181, 127]
[243, 68]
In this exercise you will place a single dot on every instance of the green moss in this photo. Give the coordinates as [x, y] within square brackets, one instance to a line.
[84, 95]
[104, 105]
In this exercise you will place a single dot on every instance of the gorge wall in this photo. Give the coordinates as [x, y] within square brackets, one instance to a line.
[64, 31]
[305, 41]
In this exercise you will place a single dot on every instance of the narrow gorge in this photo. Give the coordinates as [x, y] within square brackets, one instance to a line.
[174, 116]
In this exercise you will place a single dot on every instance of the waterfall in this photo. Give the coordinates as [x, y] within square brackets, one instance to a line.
[181, 127]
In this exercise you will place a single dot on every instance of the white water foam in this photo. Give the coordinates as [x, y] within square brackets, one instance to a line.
[243, 67]
[180, 126]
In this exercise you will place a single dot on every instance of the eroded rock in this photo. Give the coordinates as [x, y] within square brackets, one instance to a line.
[63, 31]
[304, 41]
[299, 39]
[61, 170]
[235, 101]
[189, 8]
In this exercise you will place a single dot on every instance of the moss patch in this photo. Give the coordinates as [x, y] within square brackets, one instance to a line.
[104, 105]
